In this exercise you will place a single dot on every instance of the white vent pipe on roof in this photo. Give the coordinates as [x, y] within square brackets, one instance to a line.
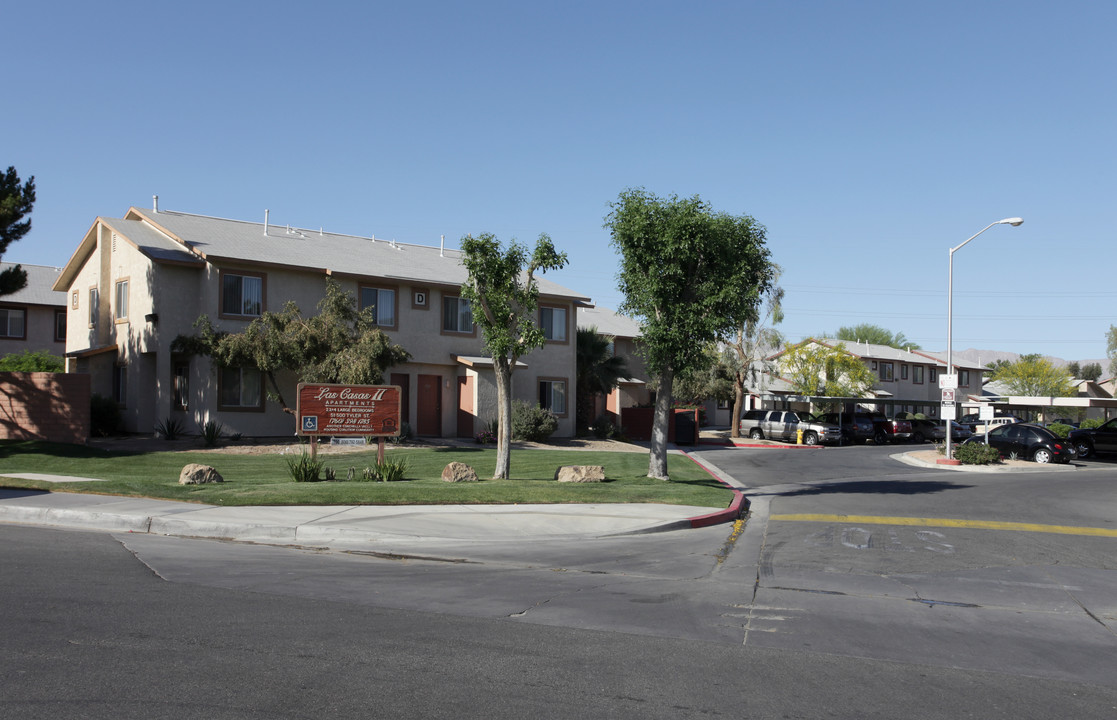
[266, 221]
[155, 203]
[442, 250]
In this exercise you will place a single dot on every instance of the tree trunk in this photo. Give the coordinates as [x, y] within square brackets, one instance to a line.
[503, 373]
[657, 459]
[738, 405]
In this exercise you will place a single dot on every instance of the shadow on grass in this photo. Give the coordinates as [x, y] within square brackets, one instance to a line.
[18, 448]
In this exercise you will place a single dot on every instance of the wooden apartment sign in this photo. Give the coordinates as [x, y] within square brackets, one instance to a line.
[361, 410]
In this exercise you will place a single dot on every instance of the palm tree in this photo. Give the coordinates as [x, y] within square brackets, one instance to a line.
[599, 370]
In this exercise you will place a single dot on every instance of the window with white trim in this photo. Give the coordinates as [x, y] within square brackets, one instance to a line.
[382, 301]
[552, 396]
[553, 322]
[242, 295]
[120, 311]
[94, 306]
[241, 388]
[457, 315]
[13, 322]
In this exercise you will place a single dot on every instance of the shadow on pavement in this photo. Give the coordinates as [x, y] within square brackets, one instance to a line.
[881, 487]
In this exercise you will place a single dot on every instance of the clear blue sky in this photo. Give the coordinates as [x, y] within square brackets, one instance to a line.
[868, 137]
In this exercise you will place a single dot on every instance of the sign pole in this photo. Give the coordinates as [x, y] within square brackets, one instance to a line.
[313, 447]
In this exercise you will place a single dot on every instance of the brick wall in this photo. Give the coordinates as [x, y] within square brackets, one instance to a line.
[44, 406]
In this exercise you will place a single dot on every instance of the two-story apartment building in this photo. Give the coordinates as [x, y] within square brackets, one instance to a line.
[633, 389]
[907, 379]
[136, 283]
[34, 318]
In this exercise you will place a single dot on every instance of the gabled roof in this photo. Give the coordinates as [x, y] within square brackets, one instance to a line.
[874, 352]
[607, 322]
[40, 280]
[175, 237]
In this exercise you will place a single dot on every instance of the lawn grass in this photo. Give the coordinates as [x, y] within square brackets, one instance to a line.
[263, 479]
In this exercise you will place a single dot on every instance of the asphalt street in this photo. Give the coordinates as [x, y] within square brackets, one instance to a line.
[858, 587]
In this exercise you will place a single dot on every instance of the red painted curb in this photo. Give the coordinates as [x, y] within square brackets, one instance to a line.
[729, 514]
[780, 447]
[945, 461]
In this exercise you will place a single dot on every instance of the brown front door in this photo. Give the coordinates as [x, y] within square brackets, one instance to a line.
[429, 408]
[404, 382]
[465, 407]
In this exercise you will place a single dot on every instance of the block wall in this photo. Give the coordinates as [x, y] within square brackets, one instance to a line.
[44, 406]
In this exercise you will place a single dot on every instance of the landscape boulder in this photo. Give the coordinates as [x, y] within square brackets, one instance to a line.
[580, 473]
[196, 474]
[459, 472]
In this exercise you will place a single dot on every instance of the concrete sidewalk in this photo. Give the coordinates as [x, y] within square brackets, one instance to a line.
[347, 525]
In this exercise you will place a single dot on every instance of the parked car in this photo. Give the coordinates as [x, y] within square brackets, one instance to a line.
[1028, 441]
[870, 426]
[1090, 441]
[785, 424]
[923, 430]
[974, 423]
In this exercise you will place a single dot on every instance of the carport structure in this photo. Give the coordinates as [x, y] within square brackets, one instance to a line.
[1041, 404]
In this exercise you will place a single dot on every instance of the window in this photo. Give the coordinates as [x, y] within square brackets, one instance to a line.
[60, 326]
[886, 372]
[552, 396]
[934, 375]
[383, 305]
[457, 316]
[917, 374]
[963, 378]
[120, 312]
[13, 323]
[241, 388]
[903, 372]
[553, 322]
[181, 383]
[242, 295]
[120, 384]
[94, 306]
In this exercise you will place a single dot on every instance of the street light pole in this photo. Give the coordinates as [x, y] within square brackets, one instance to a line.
[1014, 222]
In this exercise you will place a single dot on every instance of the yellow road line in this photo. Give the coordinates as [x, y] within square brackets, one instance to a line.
[947, 522]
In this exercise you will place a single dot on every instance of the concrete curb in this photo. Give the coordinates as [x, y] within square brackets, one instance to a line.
[1049, 467]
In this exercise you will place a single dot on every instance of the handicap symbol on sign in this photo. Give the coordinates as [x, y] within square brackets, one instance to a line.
[310, 423]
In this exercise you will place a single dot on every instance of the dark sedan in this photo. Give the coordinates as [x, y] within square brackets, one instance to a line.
[1102, 439]
[1027, 441]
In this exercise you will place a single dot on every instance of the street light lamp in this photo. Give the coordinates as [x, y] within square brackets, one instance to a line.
[1014, 222]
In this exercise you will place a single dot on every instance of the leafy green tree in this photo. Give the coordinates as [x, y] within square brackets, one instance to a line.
[504, 295]
[692, 276]
[747, 355]
[709, 379]
[1090, 371]
[874, 335]
[1073, 369]
[338, 345]
[599, 370]
[28, 361]
[815, 369]
[16, 202]
[1034, 375]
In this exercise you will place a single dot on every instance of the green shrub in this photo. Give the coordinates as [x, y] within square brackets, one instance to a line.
[169, 428]
[603, 428]
[28, 361]
[1091, 423]
[104, 416]
[976, 454]
[212, 432]
[1060, 429]
[387, 471]
[532, 423]
[304, 468]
